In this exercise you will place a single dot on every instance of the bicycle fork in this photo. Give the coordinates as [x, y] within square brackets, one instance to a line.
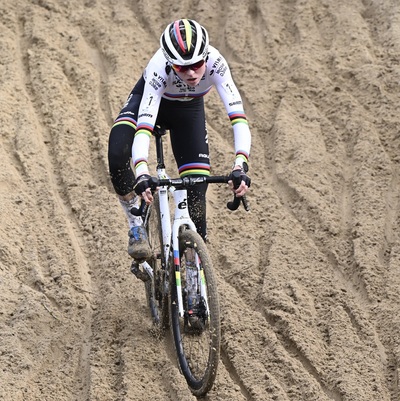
[182, 219]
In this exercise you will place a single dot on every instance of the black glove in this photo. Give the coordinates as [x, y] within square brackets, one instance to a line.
[237, 176]
[142, 183]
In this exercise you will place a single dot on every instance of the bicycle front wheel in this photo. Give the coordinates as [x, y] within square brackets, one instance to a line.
[197, 335]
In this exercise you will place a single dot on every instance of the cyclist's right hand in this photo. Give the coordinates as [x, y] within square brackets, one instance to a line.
[142, 188]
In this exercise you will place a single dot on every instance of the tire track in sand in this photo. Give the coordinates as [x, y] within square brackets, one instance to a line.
[50, 196]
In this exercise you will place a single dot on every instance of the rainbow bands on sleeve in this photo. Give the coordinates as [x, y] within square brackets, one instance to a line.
[144, 129]
[125, 120]
[237, 117]
[140, 162]
[242, 155]
[143, 133]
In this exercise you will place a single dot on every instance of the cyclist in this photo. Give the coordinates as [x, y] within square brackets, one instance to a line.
[170, 93]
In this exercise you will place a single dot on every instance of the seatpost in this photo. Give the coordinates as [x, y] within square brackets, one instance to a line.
[160, 154]
[158, 133]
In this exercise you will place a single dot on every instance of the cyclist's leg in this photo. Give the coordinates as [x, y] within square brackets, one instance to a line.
[120, 143]
[122, 177]
[197, 208]
[189, 141]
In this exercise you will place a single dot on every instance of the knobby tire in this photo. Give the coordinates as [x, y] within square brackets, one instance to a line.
[198, 351]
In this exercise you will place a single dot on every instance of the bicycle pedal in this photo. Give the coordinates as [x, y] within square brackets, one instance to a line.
[140, 274]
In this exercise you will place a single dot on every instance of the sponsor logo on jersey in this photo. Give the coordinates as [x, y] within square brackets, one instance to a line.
[217, 61]
[127, 113]
[222, 70]
[127, 101]
[155, 84]
[159, 78]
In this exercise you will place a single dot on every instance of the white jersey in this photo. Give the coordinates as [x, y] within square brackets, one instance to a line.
[162, 82]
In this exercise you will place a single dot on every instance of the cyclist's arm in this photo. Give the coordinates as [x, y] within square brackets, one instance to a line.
[232, 100]
[155, 83]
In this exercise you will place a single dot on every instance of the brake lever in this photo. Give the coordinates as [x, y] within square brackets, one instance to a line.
[245, 203]
[233, 205]
[138, 211]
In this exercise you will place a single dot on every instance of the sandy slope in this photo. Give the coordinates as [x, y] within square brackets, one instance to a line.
[309, 280]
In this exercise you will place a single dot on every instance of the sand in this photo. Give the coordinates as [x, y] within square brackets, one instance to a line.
[309, 279]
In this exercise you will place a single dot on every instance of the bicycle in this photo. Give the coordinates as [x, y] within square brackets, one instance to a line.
[181, 287]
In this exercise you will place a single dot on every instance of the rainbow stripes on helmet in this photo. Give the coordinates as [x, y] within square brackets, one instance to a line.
[184, 42]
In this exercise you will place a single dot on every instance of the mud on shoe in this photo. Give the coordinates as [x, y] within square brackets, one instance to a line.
[138, 246]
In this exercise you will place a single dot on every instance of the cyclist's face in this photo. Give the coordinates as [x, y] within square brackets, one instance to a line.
[191, 77]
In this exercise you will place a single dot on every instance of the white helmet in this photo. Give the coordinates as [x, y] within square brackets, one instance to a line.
[184, 42]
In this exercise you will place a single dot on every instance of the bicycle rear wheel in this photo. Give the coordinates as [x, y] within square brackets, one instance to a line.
[157, 287]
[197, 340]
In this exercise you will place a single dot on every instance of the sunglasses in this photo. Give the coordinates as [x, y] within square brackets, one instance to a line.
[184, 68]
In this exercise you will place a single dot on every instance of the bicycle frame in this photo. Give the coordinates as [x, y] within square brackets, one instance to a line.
[170, 230]
[170, 233]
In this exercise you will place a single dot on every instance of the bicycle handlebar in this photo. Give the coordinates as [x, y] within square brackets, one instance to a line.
[186, 182]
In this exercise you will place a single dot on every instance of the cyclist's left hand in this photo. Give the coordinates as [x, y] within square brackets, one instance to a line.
[239, 181]
[142, 188]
